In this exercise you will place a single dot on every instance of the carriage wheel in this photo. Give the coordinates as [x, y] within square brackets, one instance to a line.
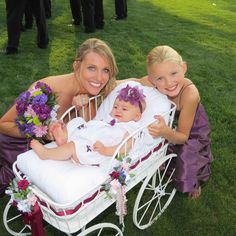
[13, 221]
[154, 195]
[103, 229]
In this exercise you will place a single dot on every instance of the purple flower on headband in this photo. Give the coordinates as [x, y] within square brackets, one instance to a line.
[133, 95]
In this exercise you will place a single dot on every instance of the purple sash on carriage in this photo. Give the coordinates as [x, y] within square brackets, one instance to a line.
[10, 147]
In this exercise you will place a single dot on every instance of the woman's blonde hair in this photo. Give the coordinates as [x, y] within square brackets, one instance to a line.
[163, 53]
[101, 48]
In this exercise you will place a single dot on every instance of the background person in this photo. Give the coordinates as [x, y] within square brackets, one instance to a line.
[75, 6]
[15, 11]
[121, 9]
[93, 15]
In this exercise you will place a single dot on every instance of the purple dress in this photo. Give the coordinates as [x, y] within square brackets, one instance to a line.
[194, 157]
[10, 147]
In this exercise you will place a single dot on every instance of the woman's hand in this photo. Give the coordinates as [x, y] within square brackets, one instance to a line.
[158, 128]
[80, 101]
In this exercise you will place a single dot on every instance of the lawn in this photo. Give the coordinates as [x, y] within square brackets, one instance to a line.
[204, 33]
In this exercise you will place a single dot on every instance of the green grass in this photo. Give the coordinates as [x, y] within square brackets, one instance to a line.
[204, 33]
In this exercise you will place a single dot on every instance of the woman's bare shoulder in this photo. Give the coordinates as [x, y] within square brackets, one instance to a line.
[56, 81]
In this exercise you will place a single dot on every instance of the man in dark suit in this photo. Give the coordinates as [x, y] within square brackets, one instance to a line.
[75, 6]
[121, 9]
[48, 7]
[15, 10]
[93, 15]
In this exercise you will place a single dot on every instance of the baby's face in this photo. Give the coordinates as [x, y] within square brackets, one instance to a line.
[124, 111]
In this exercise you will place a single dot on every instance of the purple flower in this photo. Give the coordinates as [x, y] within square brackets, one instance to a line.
[112, 122]
[34, 109]
[40, 99]
[43, 111]
[24, 97]
[133, 95]
[44, 116]
[25, 128]
[21, 107]
[44, 87]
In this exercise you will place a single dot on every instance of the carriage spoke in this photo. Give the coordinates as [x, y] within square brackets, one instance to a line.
[14, 218]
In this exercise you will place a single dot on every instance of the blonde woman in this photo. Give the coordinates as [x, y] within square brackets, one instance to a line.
[94, 72]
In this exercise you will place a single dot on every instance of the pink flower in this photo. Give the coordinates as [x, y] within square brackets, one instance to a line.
[115, 184]
[126, 167]
[32, 200]
[23, 184]
[40, 131]
[30, 111]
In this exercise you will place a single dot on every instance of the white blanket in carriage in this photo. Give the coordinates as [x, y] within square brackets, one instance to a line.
[63, 181]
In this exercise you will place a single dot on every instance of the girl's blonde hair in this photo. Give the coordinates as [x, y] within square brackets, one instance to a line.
[163, 53]
[101, 48]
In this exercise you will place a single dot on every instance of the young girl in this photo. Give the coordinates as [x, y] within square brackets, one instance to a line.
[86, 141]
[166, 72]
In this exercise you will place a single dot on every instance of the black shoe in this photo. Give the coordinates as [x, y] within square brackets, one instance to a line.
[22, 28]
[100, 27]
[76, 22]
[48, 15]
[11, 51]
[89, 30]
[28, 26]
[43, 45]
[121, 17]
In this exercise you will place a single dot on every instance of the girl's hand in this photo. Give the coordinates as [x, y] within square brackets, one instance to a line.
[99, 147]
[157, 128]
[80, 101]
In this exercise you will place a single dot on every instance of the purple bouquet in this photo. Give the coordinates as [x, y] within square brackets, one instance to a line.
[36, 109]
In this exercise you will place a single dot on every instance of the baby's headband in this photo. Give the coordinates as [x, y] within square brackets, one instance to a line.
[133, 95]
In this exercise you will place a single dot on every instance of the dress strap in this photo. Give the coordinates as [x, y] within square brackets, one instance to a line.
[181, 91]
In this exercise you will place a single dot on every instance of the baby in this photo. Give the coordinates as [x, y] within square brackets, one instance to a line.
[90, 142]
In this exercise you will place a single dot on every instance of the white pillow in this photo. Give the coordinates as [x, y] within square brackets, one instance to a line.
[63, 181]
[156, 104]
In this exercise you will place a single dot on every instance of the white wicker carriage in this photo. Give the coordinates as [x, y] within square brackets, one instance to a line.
[154, 196]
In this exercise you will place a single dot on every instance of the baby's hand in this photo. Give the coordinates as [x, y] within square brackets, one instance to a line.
[98, 147]
[158, 127]
[80, 101]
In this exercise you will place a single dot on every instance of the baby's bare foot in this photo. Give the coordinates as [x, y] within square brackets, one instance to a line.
[58, 133]
[196, 193]
[38, 148]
